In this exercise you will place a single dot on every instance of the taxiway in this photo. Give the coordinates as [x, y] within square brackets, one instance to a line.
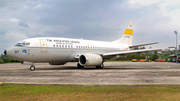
[114, 73]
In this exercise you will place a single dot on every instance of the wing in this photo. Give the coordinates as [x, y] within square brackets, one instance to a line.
[142, 45]
[115, 55]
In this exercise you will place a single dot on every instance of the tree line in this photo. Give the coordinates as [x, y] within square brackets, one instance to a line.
[6, 59]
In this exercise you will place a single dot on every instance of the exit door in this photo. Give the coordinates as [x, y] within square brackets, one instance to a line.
[43, 45]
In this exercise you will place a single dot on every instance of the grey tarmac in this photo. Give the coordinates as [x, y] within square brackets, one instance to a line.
[114, 73]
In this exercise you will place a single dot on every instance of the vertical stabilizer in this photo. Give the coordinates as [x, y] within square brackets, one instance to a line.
[127, 36]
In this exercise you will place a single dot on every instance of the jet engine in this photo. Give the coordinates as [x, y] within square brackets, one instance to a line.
[90, 60]
[57, 63]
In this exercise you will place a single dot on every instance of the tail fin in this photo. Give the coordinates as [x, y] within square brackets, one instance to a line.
[127, 36]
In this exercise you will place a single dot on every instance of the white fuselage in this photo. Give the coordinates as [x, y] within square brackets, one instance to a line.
[51, 49]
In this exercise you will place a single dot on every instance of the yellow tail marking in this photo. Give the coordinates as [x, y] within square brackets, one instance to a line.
[128, 31]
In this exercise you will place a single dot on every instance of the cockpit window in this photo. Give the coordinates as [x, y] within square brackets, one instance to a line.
[27, 44]
[18, 44]
[23, 44]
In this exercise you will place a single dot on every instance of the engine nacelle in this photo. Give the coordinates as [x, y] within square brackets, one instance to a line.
[90, 60]
[56, 63]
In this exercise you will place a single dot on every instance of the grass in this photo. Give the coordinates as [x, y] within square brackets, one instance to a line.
[46, 92]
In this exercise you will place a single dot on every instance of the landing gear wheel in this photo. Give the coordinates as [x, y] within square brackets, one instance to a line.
[32, 68]
[100, 67]
[79, 66]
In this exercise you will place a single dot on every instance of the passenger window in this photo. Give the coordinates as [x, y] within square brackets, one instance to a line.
[53, 45]
[56, 45]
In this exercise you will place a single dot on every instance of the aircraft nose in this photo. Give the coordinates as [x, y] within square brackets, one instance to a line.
[9, 52]
[5, 52]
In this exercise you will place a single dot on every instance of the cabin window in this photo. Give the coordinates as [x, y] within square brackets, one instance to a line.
[53, 45]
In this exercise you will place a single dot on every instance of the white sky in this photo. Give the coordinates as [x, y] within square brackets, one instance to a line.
[105, 20]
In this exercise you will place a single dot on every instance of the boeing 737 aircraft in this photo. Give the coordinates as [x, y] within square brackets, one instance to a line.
[58, 51]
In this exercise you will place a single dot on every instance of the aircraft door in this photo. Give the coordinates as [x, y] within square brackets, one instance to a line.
[43, 45]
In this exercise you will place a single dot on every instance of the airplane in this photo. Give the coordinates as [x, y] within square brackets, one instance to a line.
[59, 51]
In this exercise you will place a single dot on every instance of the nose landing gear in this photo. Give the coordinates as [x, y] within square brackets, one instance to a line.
[32, 68]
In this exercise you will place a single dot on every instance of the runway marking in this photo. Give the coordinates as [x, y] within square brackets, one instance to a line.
[95, 84]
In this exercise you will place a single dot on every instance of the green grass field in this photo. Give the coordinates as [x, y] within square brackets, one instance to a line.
[76, 93]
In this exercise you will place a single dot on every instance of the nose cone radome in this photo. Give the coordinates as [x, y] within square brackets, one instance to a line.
[9, 52]
[5, 52]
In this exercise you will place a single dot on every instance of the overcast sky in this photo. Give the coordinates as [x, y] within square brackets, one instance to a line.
[104, 20]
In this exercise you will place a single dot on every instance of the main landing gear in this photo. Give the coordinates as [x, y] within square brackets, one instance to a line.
[32, 68]
[100, 67]
[79, 66]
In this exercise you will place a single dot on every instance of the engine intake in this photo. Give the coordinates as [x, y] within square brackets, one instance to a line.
[90, 60]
